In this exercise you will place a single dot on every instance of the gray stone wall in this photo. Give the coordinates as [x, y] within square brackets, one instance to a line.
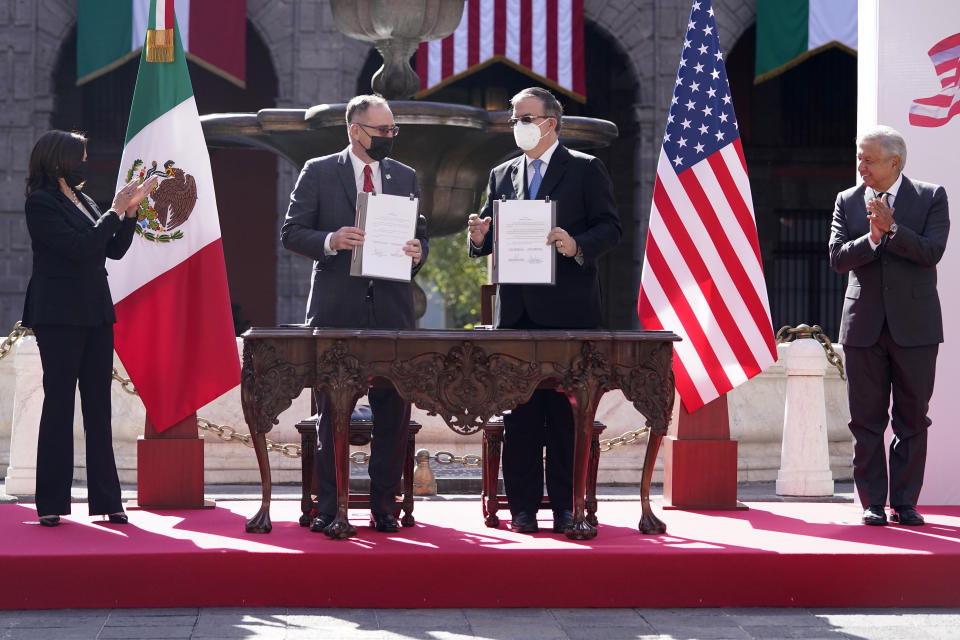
[30, 36]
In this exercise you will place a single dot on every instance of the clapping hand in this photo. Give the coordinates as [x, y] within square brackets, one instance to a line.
[130, 195]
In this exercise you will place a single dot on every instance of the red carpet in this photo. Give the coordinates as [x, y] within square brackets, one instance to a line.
[772, 555]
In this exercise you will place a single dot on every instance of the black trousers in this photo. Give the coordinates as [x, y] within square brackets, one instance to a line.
[873, 373]
[546, 420]
[71, 357]
[388, 444]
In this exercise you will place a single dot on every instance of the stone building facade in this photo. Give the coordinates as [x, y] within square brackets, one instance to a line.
[314, 63]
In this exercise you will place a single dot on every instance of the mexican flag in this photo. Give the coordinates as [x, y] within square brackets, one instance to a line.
[789, 31]
[110, 32]
[174, 331]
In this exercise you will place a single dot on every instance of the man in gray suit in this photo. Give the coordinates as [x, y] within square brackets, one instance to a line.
[320, 224]
[889, 233]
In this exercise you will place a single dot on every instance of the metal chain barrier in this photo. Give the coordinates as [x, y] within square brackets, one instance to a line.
[18, 332]
[293, 450]
[629, 437]
[229, 434]
[788, 334]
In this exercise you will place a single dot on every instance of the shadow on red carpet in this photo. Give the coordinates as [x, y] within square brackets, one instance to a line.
[772, 555]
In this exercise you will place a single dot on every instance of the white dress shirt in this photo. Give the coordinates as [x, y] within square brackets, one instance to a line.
[870, 193]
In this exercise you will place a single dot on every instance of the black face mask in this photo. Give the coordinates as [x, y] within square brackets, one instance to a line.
[78, 176]
[380, 147]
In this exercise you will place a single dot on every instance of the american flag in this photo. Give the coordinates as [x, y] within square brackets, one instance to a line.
[542, 38]
[937, 110]
[702, 276]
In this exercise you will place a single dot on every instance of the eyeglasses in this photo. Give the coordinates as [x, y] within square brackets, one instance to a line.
[525, 120]
[383, 131]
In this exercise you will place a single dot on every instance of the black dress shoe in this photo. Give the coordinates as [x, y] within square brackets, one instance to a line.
[384, 522]
[907, 516]
[321, 522]
[524, 522]
[875, 515]
[562, 520]
[49, 521]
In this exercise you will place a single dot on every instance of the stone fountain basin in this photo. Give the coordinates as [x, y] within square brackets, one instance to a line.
[451, 146]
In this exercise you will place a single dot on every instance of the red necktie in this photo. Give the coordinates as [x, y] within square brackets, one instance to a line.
[367, 179]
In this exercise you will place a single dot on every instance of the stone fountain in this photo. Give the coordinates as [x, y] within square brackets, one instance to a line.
[452, 146]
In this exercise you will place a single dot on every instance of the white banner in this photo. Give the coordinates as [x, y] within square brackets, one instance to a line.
[900, 43]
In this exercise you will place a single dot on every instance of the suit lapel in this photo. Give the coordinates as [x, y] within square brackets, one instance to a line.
[74, 211]
[903, 209]
[519, 177]
[387, 181]
[347, 179]
[555, 171]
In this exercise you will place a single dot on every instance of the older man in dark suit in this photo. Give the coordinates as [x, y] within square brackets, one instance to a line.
[320, 224]
[587, 227]
[889, 233]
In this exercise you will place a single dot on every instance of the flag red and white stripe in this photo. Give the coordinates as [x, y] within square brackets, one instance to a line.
[543, 38]
[939, 109]
[702, 274]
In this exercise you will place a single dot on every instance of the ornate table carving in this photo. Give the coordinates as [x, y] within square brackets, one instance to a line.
[465, 377]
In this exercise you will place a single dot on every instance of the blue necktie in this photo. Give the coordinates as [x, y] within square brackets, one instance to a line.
[536, 180]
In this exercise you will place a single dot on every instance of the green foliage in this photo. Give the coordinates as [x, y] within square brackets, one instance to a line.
[450, 272]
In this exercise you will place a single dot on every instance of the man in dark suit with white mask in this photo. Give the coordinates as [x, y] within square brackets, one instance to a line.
[587, 227]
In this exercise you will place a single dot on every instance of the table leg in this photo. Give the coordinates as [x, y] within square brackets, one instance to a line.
[341, 528]
[591, 499]
[649, 523]
[408, 463]
[492, 443]
[260, 522]
[308, 446]
[583, 413]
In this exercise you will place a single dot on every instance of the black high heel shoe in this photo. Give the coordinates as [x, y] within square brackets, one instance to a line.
[49, 521]
[118, 518]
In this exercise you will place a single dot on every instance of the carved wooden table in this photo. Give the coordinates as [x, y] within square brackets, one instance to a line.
[464, 376]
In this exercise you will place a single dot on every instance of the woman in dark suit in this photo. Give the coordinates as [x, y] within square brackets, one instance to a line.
[69, 308]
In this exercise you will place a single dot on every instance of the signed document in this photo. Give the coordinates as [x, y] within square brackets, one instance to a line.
[521, 254]
[388, 223]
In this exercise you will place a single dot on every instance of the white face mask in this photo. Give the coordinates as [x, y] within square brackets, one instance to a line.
[527, 136]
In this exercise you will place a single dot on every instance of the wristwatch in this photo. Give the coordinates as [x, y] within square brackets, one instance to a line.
[578, 256]
[893, 228]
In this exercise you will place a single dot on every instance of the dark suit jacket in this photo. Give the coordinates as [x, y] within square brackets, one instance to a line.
[897, 282]
[323, 200]
[68, 284]
[581, 186]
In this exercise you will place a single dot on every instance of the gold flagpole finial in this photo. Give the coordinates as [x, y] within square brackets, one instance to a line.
[160, 45]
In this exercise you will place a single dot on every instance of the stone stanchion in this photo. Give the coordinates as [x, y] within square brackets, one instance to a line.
[21, 477]
[804, 454]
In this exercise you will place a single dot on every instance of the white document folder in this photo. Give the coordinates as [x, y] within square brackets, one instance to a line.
[521, 254]
[388, 223]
